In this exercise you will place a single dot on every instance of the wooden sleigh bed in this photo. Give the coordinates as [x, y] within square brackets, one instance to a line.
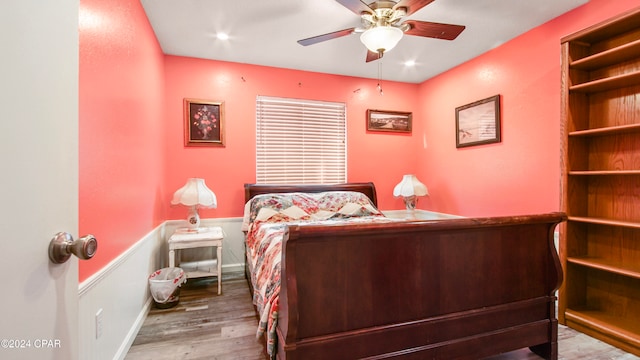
[462, 288]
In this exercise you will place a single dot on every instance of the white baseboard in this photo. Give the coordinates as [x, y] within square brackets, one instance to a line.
[119, 291]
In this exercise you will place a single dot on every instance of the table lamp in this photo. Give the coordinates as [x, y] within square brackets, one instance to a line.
[409, 189]
[194, 194]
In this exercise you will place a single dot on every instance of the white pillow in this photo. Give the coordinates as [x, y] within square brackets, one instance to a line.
[372, 209]
[350, 209]
[294, 212]
[323, 214]
[246, 216]
[265, 214]
[353, 209]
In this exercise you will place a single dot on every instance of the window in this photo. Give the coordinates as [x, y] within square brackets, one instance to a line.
[300, 141]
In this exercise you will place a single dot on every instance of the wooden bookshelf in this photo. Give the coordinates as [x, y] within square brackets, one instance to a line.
[600, 242]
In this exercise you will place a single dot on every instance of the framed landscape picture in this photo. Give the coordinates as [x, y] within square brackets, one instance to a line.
[389, 121]
[478, 123]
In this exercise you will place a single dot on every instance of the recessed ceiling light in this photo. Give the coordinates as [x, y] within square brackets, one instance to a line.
[222, 36]
[410, 63]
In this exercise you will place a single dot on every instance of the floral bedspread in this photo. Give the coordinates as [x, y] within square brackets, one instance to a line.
[265, 220]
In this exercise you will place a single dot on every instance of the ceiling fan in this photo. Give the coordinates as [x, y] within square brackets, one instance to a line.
[383, 25]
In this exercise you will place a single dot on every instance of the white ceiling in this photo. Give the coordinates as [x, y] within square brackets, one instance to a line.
[266, 33]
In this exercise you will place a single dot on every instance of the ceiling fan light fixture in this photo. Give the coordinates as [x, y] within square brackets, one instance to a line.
[381, 38]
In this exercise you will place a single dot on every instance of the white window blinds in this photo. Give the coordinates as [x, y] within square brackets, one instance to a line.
[300, 141]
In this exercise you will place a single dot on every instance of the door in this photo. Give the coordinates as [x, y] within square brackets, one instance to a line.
[39, 187]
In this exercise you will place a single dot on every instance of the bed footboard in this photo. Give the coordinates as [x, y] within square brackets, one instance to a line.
[455, 289]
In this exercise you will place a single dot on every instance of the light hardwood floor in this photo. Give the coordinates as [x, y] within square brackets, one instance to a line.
[205, 325]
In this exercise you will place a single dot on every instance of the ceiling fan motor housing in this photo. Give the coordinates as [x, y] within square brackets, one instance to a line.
[382, 17]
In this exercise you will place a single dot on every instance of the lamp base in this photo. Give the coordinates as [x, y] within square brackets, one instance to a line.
[193, 219]
[410, 202]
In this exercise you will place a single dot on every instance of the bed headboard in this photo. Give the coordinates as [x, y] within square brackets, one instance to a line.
[251, 190]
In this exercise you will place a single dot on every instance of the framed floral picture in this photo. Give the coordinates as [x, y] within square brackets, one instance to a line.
[203, 122]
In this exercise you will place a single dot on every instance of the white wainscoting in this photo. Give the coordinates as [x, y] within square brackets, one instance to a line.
[121, 289]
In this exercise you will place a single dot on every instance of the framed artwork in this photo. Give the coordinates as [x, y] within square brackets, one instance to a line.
[389, 121]
[203, 122]
[478, 123]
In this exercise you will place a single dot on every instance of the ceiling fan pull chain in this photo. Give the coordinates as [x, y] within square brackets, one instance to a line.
[380, 77]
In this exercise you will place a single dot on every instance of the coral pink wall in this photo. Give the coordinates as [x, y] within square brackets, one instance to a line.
[132, 155]
[378, 157]
[522, 173]
[121, 134]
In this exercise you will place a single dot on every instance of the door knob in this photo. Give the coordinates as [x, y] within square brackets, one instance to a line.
[62, 246]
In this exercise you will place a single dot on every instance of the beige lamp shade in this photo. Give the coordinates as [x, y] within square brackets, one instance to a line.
[194, 194]
[409, 189]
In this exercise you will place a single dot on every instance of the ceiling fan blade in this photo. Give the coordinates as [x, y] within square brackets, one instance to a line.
[373, 56]
[433, 30]
[412, 5]
[325, 37]
[357, 6]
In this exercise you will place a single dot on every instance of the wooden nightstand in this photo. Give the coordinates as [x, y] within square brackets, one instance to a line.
[203, 237]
